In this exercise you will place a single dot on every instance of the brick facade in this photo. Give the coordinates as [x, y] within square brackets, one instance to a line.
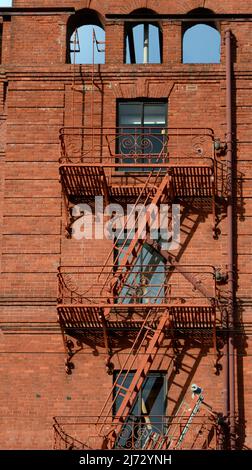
[36, 100]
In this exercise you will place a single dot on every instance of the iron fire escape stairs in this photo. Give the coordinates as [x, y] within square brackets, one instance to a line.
[128, 253]
[131, 247]
[153, 328]
[150, 335]
[152, 331]
[148, 342]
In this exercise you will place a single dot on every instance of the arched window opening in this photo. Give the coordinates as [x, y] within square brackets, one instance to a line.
[201, 39]
[143, 40]
[86, 38]
[87, 45]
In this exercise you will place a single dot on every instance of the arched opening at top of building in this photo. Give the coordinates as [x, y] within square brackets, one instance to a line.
[143, 39]
[201, 40]
[85, 38]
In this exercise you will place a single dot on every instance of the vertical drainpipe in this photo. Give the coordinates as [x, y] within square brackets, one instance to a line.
[230, 242]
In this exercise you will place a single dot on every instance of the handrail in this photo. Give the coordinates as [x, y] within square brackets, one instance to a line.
[152, 433]
[135, 143]
[155, 277]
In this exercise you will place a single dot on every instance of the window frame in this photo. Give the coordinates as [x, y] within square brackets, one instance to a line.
[150, 423]
[151, 374]
[142, 102]
[128, 31]
[204, 14]
[82, 17]
[142, 264]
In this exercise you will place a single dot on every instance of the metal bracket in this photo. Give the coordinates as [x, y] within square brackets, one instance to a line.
[219, 355]
[108, 364]
[72, 347]
[176, 346]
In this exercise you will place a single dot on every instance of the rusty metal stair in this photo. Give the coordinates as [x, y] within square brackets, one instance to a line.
[148, 342]
[127, 254]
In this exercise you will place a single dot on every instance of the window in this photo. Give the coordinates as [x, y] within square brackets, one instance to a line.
[201, 40]
[148, 412]
[142, 132]
[89, 45]
[143, 44]
[143, 39]
[86, 38]
[146, 281]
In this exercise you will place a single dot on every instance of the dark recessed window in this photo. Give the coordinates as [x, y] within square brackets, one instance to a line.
[147, 414]
[141, 132]
[146, 280]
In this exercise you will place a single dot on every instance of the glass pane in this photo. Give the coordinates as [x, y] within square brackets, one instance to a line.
[152, 275]
[126, 437]
[152, 408]
[154, 130]
[129, 145]
[142, 134]
[130, 114]
[126, 381]
[147, 415]
[154, 114]
[145, 283]
[153, 398]
[129, 141]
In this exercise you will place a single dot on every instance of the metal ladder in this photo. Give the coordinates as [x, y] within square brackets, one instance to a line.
[148, 342]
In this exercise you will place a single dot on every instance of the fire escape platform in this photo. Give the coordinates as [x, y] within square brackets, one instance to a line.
[117, 182]
[183, 317]
[106, 325]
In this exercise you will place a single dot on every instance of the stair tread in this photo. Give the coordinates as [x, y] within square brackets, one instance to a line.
[121, 387]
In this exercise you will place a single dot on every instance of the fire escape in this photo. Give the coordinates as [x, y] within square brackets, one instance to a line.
[142, 288]
[153, 300]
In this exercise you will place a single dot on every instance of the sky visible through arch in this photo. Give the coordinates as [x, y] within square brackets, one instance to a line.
[194, 51]
[5, 3]
[201, 44]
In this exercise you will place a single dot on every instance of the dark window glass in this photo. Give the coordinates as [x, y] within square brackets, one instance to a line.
[146, 280]
[141, 133]
[147, 414]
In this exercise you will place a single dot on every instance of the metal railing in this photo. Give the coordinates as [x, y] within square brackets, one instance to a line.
[140, 432]
[146, 284]
[137, 145]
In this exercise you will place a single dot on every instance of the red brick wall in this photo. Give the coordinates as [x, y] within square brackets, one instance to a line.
[36, 100]
[115, 6]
